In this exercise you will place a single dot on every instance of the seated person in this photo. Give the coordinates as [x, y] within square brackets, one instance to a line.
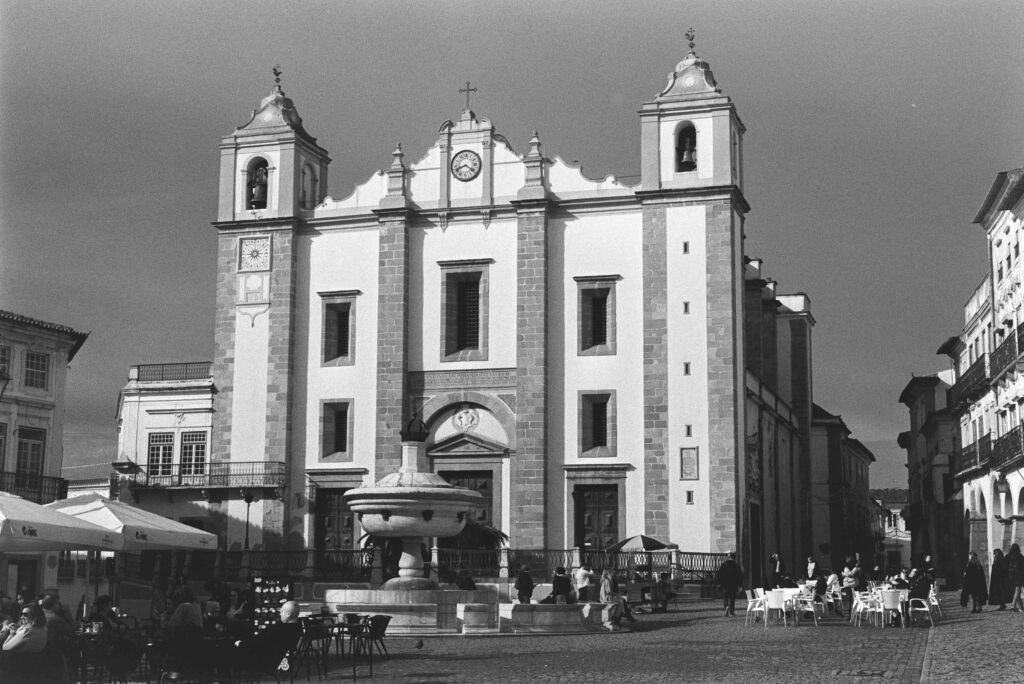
[184, 632]
[664, 591]
[103, 612]
[920, 585]
[900, 580]
[24, 659]
[561, 585]
[465, 581]
[265, 651]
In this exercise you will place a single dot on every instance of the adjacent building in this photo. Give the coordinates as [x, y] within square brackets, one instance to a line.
[986, 396]
[933, 512]
[894, 550]
[34, 359]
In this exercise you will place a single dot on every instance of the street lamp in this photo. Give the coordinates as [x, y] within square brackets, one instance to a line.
[247, 497]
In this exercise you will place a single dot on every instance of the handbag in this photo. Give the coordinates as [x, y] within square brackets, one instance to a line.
[964, 598]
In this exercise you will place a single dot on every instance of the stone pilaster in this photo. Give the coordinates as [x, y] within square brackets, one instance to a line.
[392, 339]
[655, 274]
[725, 375]
[223, 368]
[529, 482]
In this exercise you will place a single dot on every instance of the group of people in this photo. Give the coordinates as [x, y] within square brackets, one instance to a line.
[1005, 586]
[38, 639]
[584, 588]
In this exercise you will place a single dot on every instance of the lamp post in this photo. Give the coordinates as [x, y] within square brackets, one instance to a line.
[247, 497]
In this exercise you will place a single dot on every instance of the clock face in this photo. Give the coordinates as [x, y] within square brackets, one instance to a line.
[254, 254]
[466, 165]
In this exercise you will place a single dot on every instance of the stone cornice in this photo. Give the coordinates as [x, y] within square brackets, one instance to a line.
[695, 195]
[265, 225]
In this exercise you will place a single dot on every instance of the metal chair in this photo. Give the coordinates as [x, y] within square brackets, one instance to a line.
[920, 605]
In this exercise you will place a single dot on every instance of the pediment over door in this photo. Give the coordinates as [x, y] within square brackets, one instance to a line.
[466, 444]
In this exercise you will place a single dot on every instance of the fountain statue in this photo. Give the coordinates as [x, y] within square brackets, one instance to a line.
[410, 505]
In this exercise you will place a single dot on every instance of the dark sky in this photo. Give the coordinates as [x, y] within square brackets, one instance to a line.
[874, 130]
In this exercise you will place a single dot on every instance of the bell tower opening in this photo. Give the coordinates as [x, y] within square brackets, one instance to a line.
[256, 184]
[686, 148]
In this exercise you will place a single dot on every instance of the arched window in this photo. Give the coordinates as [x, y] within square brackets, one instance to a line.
[256, 184]
[307, 197]
[686, 148]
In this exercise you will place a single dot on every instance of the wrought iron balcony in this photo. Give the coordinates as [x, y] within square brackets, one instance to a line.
[221, 475]
[1009, 448]
[971, 384]
[1004, 356]
[162, 372]
[39, 489]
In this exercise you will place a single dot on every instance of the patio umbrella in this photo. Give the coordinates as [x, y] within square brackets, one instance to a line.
[27, 526]
[139, 530]
[639, 542]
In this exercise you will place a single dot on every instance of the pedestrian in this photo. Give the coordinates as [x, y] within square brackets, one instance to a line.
[730, 578]
[608, 596]
[524, 585]
[999, 589]
[851, 579]
[974, 584]
[812, 569]
[561, 588]
[777, 575]
[583, 580]
[1015, 576]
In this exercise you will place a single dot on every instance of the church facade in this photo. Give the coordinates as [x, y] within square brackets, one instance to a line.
[575, 349]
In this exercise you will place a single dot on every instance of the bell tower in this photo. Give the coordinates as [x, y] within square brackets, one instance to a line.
[270, 167]
[691, 136]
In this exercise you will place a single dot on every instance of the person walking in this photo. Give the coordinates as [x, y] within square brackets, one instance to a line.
[1015, 576]
[524, 585]
[730, 578]
[999, 589]
[974, 584]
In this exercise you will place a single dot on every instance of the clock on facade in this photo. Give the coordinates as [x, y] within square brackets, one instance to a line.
[466, 165]
[254, 254]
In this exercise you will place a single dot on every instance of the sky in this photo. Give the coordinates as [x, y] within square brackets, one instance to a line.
[874, 130]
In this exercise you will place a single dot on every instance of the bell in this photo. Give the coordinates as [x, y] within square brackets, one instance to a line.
[259, 196]
[688, 162]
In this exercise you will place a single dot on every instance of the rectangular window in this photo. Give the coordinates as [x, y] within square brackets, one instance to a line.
[161, 454]
[595, 324]
[5, 359]
[193, 453]
[336, 430]
[597, 430]
[686, 368]
[3, 444]
[689, 464]
[464, 310]
[339, 310]
[689, 496]
[37, 367]
[31, 444]
[686, 248]
[686, 307]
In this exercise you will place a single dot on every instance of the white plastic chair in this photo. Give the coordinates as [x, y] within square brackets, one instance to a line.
[891, 604]
[754, 605]
[864, 603]
[933, 600]
[775, 600]
[919, 605]
[807, 604]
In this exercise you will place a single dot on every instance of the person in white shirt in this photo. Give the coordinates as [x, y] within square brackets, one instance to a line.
[582, 579]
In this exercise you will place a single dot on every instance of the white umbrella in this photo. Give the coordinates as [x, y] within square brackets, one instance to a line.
[139, 530]
[27, 526]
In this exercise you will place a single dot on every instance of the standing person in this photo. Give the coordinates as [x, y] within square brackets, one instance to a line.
[730, 578]
[999, 591]
[608, 596]
[1015, 576]
[974, 584]
[812, 569]
[524, 585]
[777, 574]
[851, 579]
[583, 579]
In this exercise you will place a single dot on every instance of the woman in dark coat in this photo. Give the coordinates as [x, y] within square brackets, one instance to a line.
[1015, 576]
[974, 583]
[999, 589]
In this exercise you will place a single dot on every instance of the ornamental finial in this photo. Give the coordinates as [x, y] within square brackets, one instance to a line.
[690, 36]
[277, 76]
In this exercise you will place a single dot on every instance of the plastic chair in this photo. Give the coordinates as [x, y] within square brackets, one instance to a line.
[754, 605]
[919, 605]
[891, 604]
[864, 603]
[806, 604]
[933, 599]
[775, 600]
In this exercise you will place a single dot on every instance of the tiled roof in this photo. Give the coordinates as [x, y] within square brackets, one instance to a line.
[77, 337]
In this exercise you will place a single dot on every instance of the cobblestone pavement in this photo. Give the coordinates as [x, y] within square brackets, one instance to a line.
[693, 643]
[983, 647]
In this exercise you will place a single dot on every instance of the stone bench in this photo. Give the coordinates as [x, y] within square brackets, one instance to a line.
[475, 618]
[552, 618]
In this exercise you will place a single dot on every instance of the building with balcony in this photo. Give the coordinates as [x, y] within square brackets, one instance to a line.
[933, 511]
[894, 551]
[34, 359]
[986, 397]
